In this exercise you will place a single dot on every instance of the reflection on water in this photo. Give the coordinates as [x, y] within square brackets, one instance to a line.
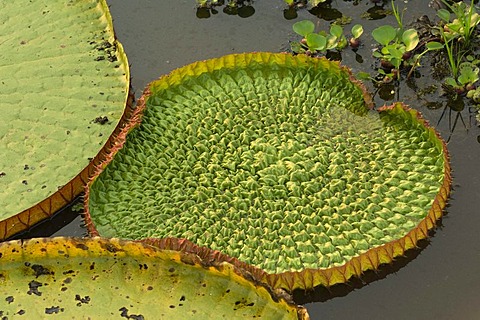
[242, 8]
[322, 293]
[66, 222]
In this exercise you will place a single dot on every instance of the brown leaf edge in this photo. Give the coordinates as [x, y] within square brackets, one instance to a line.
[60, 248]
[66, 194]
[308, 278]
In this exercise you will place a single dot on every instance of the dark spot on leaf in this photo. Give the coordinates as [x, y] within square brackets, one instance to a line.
[81, 246]
[172, 306]
[101, 120]
[67, 280]
[53, 310]
[2, 174]
[23, 42]
[25, 182]
[99, 58]
[84, 300]
[124, 314]
[40, 270]
[9, 299]
[110, 247]
[21, 312]
[143, 266]
[33, 288]
[171, 270]
[182, 298]
[92, 266]
[26, 167]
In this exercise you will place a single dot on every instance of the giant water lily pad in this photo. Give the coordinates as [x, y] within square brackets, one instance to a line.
[106, 279]
[276, 162]
[64, 84]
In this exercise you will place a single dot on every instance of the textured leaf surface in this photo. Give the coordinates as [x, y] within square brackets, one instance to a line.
[63, 88]
[276, 161]
[104, 279]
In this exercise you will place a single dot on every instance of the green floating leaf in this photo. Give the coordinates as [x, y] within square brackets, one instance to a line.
[303, 27]
[410, 38]
[363, 75]
[64, 87]
[357, 31]
[277, 162]
[104, 279]
[433, 45]
[336, 30]
[384, 34]
[444, 14]
[316, 41]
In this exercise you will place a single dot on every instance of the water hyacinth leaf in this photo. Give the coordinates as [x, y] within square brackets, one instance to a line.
[303, 27]
[434, 45]
[357, 31]
[300, 198]
[444, 14]
[98, 278]
[384, 34]
[316, 41]
[336, 30]
[410, 38]
[64, 87]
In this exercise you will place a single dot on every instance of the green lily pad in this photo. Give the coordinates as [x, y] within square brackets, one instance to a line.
[278, 162]
[105, 279]
[64, 85]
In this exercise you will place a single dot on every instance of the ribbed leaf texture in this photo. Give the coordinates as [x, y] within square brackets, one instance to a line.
[278, 162]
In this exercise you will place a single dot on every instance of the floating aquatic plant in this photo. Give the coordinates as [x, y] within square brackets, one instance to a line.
[64, 86]
[278, 162]
[103, 279]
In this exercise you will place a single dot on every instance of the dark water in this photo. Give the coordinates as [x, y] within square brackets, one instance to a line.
[440, 281]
